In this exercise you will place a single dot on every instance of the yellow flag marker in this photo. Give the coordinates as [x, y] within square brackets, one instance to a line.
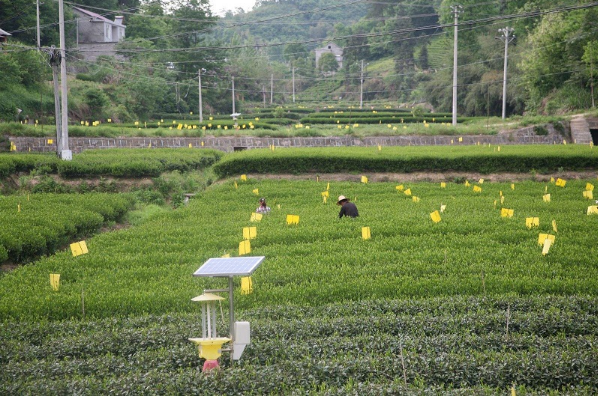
[400, 187]
[467, 183]
[244, 247]
[364, 179]
[407, 192]
[544, 237]
[79, 248]
[546, 246]
[244, 177]
[481, 181]
[512, 186]
[592, 210]
[504, 212]
[589, 187]
[256, 191]
[554, 226]
[249, 232]
[365, 233]
[55, 281]
[546, 197]
[415, 199]
[246, 285]
[442, 208]
[255, 217]
[588, 194]
[442, 185]
[560, 182]
[292, 219]
[532, 222]
[477, 189]
[435, 216]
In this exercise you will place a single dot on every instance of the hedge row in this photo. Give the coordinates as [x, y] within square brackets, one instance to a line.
[376, 119]
[481, 159]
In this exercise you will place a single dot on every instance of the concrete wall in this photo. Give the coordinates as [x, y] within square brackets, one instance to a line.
[91, 51]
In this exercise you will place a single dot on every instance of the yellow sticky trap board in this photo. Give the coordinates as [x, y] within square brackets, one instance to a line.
[554, 226]
[546, 197]
[532, 222]
[292, 219]
[400, 187]
[256, 191]
[256, 217]
[364, 179]
[513, 392]
[365, 233]
[460, 139]
[552, 179]
[18, 208]
[588, 194]
[190, 145]
[236, 185]
[467, 183]
[543, 237]
[589, 187]
[79, 248]
[327, 186]
[481, 181]
[407, 192]
[443, 185]
[592, 210]
[379, 148]
[502, 199]
[225, 255]
[244, 247]
[477, 189]
[246, 285]
[249, 232]
[442, 208]
[545, 189]
[415, 199]
[560, 182]
[500, 193]
[512, 186]
[498, 149]
[55, 281]
[244, 177]
[324, 199]
[546, 246]
[435, 216]
[50, 141]
[326, 193]
[504, 212]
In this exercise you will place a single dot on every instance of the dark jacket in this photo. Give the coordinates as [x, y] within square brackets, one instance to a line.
[348, 209]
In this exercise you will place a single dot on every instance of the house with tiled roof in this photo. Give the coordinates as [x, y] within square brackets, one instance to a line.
[96, 34]
[4, 35]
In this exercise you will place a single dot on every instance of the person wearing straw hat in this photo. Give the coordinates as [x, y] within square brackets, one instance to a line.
[263, 208]
[347, 208]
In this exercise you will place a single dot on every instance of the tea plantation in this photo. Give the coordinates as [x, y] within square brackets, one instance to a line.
[467, 305]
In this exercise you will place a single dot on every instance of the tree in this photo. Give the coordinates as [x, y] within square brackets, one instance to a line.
[294, 51]
[327, 63]
[590, 57]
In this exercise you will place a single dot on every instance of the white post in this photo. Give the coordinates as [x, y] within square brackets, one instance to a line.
[456, 10]
[234, 95]
[293, 85]
[199, 88]
[271, 87]
[361, 87]
[38, 31]
[507, 37]
[66, 153]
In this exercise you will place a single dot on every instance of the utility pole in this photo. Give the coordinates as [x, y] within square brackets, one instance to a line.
[361, 87]
[293, 85]
[507, 37]
[234, 95]
[456, 9]
[199, 88]
[271, 88]
[264, 95]
[65, 154]
[38, 31]
[55, 63]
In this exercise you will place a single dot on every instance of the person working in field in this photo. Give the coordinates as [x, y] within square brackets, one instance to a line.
[347, 208]
[263, 208]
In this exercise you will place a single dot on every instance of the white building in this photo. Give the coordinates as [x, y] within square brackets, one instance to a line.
[97, 35]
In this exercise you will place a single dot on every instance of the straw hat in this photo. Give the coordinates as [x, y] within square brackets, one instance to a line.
[341, 198]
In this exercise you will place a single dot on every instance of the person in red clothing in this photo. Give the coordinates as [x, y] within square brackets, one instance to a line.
[347, 208]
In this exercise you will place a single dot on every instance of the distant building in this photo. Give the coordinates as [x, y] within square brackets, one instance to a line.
[330, 48]
[97, 35]
[3, 36]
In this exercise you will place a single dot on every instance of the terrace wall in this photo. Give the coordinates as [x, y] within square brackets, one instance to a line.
[227, 144]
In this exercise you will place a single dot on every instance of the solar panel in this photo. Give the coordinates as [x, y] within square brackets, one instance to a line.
[230, 266]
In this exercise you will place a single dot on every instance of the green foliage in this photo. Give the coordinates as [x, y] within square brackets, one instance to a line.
[327, 63]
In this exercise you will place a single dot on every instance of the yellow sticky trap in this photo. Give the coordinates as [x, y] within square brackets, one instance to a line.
[379, 148]
[560, 182]
[236, 185]
[149, 145]
[327, 186]
[546, 246]
[452, 141]
[364, 179]
[415, 199]
[325, 194]
[18, 208]
[79, 248]
[202, 144]
[460, 139]
[249, 232]
[292, 219]
[564, 142]
[246, 285]
[225, 255]
[365, 233]
[243, 177]
[467, 183]
[50, 141]
[592, 210]
[435, 216]
[477, 189]
[502, 199]
[442, 208]
[255, 217]
[500, 193]
[407, 192]
[55, 281]
[532, 222]
[256, 191]
[589, 187]
[278, 206]
[554, 226]
[504, 212]
[190, 145]
[442, 185]
[512, 186]
[495, 203]
[324, 199]
[498, 148]
[546, 197]
[513, 393]
[588, 194]
[481, 181]
[545, 189]
[400, 187]
[544, 237]
[552, 179]
[244, 247]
